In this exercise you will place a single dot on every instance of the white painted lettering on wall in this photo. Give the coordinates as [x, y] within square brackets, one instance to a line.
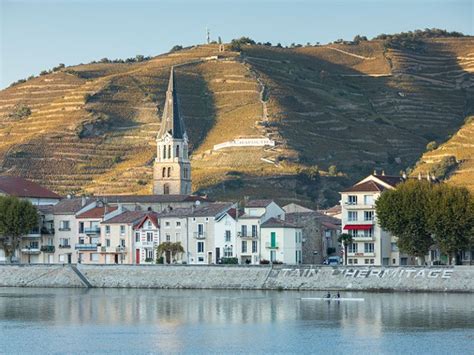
[371, 273]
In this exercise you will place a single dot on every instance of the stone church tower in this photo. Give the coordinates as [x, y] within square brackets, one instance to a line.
[172, 169]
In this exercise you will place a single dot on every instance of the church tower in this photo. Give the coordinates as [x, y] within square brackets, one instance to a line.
[172, 169]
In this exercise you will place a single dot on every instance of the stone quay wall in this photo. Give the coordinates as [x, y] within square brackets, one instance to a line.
[422, 279]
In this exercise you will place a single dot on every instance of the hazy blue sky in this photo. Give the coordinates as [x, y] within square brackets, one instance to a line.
[39, 34]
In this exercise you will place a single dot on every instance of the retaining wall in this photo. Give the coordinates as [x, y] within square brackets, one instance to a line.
[453, 279]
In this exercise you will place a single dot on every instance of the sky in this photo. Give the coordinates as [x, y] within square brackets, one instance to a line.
[37, 35]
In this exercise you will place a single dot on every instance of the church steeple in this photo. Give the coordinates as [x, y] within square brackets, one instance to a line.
[171, 121]
[172, 168]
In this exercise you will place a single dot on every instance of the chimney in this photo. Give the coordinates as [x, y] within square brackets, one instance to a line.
[383, 172]
[404, 175]
[375, 172]
[83, 201]
[419, 176]
[428, 177]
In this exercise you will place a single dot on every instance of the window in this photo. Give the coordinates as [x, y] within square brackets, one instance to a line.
[394, 261]
[169, 171]
[81, 240]
[166, 189]
[227, 236]
[227, 252]
[369, 233]
[352, 216]
[178, 236]
[107, 230]
[394, 246]
[137, 237]
[200, 229]
[356, 261]
[368, 200]
[201, 259]
[164, 157]
[107, 242]
[368, 215]
[61, 258]
[149, 225]
[177, 151]
[272, 255]
[94, 257]
[81, 227]
[200, 247]
[244, 246]
[64, 242]
[372, 261]
[122, 230]
[366, 261]
[169, 152]
[368, 247]
[349, 261]
[254, 246]
[352, 200]
[164, 173]
[352, 248]
[352, 232]
[149, 253]
[254, 230]
[65, 226]
[243, 229]
[167, 224]
[168, 238]
[122, 242]
[149, 236]
[178, 224]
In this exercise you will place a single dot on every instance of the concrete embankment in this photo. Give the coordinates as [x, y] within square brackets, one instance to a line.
[453, 279]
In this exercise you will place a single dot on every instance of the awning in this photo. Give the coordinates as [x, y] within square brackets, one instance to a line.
[359, 227]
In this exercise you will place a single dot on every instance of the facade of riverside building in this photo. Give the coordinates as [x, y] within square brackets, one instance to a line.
[371, 244]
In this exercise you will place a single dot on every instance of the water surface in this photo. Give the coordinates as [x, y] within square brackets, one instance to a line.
[200, 321]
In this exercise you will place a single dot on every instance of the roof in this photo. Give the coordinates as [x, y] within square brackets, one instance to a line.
[391, 180]
[368, 186]
[278, 223]
[258, 203]
[336, 209]
[152, 216]
[152, 198]
[293, 207]
[171, 121]
[19, 187]
[296, 217]
[96, 212]
[71, 205]
[212, 209]
[45, 209]
[127, 217]
[233, 213]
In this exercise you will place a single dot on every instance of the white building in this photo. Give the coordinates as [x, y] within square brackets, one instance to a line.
[371, 244]
[281, 241]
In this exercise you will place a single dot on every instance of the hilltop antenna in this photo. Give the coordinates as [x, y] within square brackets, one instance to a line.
[208, 35]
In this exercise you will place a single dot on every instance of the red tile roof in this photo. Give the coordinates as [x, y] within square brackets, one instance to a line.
[152, 216]
[126, 217]
[96, 212]
[17, 186]
[368, 186]
[258, 203]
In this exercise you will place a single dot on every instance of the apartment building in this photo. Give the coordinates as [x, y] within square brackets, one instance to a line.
[371, 244]
[281, 241]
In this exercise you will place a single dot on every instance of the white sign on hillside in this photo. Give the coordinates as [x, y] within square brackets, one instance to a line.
[246, 142]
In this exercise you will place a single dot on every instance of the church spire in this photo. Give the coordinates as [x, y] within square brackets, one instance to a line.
[171, 121]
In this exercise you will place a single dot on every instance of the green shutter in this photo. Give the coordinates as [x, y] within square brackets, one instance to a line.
[273, 239]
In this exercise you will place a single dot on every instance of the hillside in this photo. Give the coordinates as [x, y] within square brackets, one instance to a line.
[91, 128]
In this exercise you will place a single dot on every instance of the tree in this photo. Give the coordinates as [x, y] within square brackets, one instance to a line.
[169, 247]
[451, 218]
[403, 212]
[431, 146]
[345, 239]
[332, 170]
[17, 218]
[176, 48]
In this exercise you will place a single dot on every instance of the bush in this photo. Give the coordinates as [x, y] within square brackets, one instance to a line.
[332, 171]
[117, 159]
[445, 167]
[176, 48]
[431, 146]
[148, 260]
[264, 262]
[160, 260]
[230, 261]
[141, 182]
[19, 111]
[237, 43]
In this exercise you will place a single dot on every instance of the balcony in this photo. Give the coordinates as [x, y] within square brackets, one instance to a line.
[35, 233]
[86, 246]
[271, 245]
[64, 246]
[30, 250]
[92, 230]
[363, 238]
[361, 254]
[246, 235]
[48, 249]
[145, 244]
[65, 229]
[121, 250]
[200, 235]
[350, 205]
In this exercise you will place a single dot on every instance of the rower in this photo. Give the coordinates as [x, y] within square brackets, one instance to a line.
[328, 295]
[338, 295]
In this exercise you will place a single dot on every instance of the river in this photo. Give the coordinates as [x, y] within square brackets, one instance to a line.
[215, 321]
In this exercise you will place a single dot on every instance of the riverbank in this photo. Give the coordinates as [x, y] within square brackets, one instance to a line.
[281, 277]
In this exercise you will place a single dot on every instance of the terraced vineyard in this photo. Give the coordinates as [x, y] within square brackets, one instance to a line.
[91, 128]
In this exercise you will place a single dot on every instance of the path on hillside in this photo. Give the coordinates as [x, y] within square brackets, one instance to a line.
[351, 54]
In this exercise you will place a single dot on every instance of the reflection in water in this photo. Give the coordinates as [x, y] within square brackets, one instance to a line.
[171, 321]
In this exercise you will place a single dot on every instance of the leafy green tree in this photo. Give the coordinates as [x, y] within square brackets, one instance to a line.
[169, 247]
[403, 212]
[332, 170]
[444, 167]
[451, 218]
[17, 218]
[176, 48]
[345, 239]
[431, 146]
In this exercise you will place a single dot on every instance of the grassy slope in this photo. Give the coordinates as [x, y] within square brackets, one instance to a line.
[357, 107]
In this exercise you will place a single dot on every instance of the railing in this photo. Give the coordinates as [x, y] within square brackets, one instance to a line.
[64, 246]
[200, 235]
[361, 254]
[93, 230]
[86, 246]
[29, 250]
[247, 235]
[121, 249]
[48, 249]
[62, 229]
[271, 245]
[145, 244]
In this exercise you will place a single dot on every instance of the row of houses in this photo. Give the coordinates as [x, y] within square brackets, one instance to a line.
[129, 229]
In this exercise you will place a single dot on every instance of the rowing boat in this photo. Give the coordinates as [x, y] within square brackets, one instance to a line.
[332, 299]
